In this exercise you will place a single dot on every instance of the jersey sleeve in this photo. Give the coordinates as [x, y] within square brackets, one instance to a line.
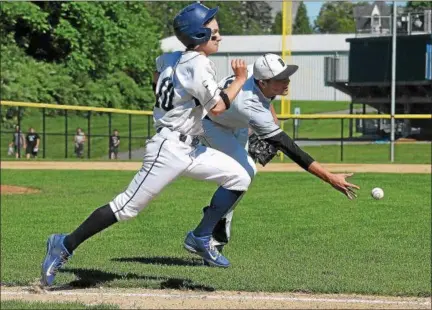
[200, 82]
[261, 120]
[160, 62]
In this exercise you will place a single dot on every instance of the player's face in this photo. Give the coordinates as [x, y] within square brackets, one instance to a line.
[211, 46]
[279, 87]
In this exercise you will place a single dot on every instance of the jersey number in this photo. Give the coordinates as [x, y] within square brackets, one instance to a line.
[164, 96]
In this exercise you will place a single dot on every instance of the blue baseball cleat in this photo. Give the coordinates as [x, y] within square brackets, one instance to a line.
[203, 247]
[218, 246]
[56, 256]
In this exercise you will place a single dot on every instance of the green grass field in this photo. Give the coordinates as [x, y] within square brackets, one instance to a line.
[312, 107]
[369, 153]
[405, 153]
[291, 233]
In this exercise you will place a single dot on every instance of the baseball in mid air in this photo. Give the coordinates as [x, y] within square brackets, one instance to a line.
[377, 193]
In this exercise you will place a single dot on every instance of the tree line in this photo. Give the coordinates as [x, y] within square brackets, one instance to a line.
[103, 53]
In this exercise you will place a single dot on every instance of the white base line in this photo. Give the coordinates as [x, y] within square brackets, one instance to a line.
[221, 297]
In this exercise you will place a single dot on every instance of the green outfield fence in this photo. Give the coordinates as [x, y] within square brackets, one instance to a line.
[98, 124]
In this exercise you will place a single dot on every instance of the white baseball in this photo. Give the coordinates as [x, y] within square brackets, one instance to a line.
[377, 193]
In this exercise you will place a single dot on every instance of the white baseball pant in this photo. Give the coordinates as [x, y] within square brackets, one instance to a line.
[235, 144]
[166, 158]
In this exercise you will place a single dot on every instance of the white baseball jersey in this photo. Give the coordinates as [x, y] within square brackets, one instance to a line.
[249, 109]
[185, 92]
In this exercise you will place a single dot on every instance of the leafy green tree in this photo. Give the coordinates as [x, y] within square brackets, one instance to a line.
[257, 18]
[301, 24]
[25, 79]
[228, 24]
[277, 25]
[163, 13]
[418, 6]
[99, 43]
[234, 17]
[336, 17]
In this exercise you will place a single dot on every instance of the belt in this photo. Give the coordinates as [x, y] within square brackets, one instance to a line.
[168, 133]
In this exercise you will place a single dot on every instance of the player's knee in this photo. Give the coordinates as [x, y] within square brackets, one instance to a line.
[239, 181]
[125, 208]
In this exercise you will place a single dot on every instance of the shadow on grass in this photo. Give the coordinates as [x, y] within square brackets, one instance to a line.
[161, 260]
[87, 278]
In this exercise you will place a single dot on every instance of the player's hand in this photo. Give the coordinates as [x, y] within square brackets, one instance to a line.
[240, 69]
[338, 181]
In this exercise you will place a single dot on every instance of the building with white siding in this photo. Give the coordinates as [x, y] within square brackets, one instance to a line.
[307, 51]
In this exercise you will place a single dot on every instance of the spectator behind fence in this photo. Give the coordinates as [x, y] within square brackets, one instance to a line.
[18, 142]
[79, 141]
[11, 149]
[114, 143]
[32, 142]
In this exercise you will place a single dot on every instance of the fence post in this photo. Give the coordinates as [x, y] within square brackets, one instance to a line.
[109, 134]
[130, 136]
[342, 133]
[364, 120]
[19, 132]
[351, 108]
[88, 134]
[293, 124]
[66, 133]
[43, 133]
[148, 126]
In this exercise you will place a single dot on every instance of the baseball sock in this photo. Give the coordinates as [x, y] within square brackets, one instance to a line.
[219, 233]
[220, 204]
[100, 219]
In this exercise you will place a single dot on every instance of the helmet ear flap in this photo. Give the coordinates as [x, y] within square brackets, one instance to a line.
[203, 34]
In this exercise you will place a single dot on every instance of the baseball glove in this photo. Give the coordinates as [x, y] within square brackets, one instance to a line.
[260, 150]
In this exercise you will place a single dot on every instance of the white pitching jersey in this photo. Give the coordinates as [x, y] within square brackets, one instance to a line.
[249, 109]
[185, 92]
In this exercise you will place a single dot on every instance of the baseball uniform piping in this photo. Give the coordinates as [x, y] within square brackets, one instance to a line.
[157, 156]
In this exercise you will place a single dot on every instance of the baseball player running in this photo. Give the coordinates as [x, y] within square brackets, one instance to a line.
[228, 132]
[186, 91]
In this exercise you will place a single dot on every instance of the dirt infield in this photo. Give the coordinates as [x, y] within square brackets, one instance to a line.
[13, 190]
[172, 299]
[133, 166]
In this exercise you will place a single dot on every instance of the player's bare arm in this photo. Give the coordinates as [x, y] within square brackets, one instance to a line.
[240, 71]
[338, 181]
[285, 144]
[155, 79]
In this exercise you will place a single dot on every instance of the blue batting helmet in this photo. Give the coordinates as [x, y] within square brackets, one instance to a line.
[189, 24]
